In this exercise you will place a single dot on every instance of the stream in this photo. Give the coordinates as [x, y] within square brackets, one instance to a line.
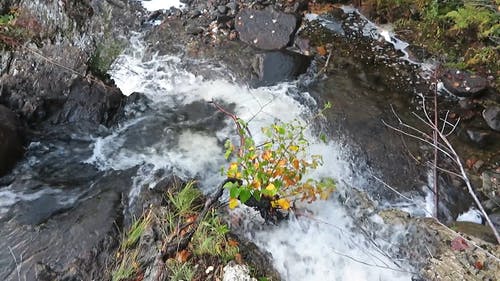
[170, 128]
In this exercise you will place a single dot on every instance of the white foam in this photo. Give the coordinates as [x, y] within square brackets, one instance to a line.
[472, 215]
[154, 5]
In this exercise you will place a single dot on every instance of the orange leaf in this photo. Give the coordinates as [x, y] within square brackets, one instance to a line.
[182, 256]
[295, 163]
[191, 219]
[321, 50]
[232, 243]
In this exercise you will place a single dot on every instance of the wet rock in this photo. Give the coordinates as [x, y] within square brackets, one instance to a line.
[91, 101]
[491, 183]
[463, 84]
[492, 117]
[280, 66]
[480, 231]
[265, 29]
[80, 241]
[222, 9]
[11, 139]
[466, 104]
[477, 136]
[237, 272]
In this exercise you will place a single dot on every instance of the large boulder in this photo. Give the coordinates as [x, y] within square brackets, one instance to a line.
[11, 139]
[492, 117]
[266, 29]
[90, 101]
[279, 66]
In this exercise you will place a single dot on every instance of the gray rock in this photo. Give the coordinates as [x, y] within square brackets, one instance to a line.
[463, 84]
[91, 101]
[11, 139]
[492, 117]
[265, 29]
[279, 66]
[237, 272]
[233, 7]
[479, 137]
[222, 9]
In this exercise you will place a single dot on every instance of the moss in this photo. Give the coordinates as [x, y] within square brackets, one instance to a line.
[104, 56]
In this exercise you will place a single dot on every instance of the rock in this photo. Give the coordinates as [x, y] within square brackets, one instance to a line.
[477, 230]
[81, 241]
[90, 101]
[11, 139]
[233, 7]
[463, 84]
[479, 137]
[491, 183]
[265, 29]
[222, 9]
[279, 66]
[236, 272]
[492, 117]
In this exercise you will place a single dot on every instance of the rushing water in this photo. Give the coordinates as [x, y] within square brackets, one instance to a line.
[174, 130]
[323, 248]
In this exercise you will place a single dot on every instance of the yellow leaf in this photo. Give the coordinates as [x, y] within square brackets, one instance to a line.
[233, 203]
[232, 172]
[283, 203]
[293, 148]
[270, 187]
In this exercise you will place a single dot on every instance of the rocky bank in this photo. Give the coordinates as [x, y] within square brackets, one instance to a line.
[55, 82]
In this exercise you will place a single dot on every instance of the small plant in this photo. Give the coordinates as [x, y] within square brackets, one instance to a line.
[211, 239]
[179, 271]
[184, 200]
[271, 176]
[471, 16]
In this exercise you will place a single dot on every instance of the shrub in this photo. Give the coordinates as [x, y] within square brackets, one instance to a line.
[271, 175]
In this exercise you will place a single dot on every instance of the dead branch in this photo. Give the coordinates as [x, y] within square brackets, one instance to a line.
[236, 121]
[436, 220]
[440, 143]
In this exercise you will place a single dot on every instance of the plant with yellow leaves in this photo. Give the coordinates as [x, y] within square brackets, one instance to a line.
[271, 176]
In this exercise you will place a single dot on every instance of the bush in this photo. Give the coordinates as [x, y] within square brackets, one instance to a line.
[271, 176]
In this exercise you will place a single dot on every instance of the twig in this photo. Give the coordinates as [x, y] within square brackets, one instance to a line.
[441, 224]
[435, 141]
[236, 120]
[372, 265]
[443, 145]
[16, 263]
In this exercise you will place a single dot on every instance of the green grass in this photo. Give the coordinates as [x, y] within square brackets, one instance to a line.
[211, 239]
[180, 271]
[184, 201]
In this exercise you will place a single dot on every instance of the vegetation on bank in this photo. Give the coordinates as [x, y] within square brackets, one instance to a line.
[465, 33]
[142, 245]
[15, 28]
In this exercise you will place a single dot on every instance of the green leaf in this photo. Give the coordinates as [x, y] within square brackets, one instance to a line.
[322, 137]
[256, 194]
[234, 191]
[244, 195]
